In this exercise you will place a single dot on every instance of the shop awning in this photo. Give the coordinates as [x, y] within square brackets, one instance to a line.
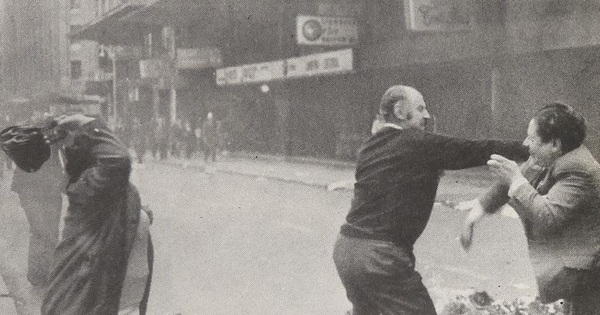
[111, 28]
[181, 12]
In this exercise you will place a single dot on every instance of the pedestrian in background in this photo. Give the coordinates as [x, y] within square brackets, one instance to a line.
[397, 175]
[161, 138]
[556, 194]
[176, 138]
[153, 139]
[198, 136]
[138, 140]
[210, 138]
[189, 140]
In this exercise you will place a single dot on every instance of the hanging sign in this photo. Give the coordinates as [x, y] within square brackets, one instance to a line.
[252, 73]
[438, 15]
[320, 64]
[332, 62]
[198, 58]
[326, 31]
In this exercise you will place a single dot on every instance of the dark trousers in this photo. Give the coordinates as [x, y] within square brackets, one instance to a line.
[587, 304]
[140, 150]
[587, 299]
[380, 278]
[43, 216]
[159, 150]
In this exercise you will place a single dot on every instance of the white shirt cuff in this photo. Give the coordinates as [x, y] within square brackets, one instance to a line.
[515, 185]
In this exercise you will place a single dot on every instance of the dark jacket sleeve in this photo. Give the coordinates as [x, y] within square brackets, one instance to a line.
[110, 170]
[454, 153]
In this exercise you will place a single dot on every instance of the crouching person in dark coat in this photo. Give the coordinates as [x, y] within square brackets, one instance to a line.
[101, 223]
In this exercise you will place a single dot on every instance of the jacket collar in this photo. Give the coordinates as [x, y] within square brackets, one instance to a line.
[572, 159]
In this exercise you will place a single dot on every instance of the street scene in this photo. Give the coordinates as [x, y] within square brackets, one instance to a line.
[299, 157]
[255, 237]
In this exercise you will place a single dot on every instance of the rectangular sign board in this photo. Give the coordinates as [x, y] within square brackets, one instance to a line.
[320, 64]
[326, 31]
[438, 15]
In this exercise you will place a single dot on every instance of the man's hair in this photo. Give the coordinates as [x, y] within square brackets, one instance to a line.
[562, 122]
[393, 95]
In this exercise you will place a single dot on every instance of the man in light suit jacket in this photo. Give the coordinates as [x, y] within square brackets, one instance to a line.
[557, 196]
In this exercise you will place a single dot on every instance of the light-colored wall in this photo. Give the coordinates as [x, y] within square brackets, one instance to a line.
[37, 46]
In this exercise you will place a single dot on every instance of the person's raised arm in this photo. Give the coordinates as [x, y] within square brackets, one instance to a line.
[455, 153]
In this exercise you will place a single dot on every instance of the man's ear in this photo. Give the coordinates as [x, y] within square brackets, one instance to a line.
[557, 145]
[399, 111]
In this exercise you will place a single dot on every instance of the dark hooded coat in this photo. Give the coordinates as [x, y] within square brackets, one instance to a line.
[100, 226]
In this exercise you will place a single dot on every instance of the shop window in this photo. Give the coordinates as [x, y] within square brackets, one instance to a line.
[76, 70]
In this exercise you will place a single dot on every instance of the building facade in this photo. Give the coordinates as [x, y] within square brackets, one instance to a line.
[304, 78]
[35, 47]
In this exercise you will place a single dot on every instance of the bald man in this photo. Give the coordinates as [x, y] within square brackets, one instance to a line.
[397, 176]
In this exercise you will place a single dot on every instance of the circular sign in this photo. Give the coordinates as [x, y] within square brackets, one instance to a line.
[312, 30]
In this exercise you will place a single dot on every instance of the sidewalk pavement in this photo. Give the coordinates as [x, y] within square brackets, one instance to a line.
[327, 174]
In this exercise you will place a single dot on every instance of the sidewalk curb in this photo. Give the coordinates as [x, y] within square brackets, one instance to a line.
[340, 185]
[250, 174]
[294, 159]
[271, 177]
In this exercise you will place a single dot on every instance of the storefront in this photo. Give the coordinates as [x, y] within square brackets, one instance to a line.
[306, 79]
[299, 102]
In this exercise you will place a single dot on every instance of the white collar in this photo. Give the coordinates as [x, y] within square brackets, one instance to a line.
[391, 125]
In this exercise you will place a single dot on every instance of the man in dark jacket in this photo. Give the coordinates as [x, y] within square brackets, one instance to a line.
[556, 194]
[397, 175]
[100, 225]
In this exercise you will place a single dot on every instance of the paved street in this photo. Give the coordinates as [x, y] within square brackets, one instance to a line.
[262, 243]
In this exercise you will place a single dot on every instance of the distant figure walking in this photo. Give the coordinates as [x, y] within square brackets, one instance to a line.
[161, 138]
[210, 137]
[139, 140]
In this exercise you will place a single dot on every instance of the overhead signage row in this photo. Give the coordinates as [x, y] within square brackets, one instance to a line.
[332, 62]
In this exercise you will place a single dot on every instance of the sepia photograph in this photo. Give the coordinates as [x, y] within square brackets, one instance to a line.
[299, 157]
